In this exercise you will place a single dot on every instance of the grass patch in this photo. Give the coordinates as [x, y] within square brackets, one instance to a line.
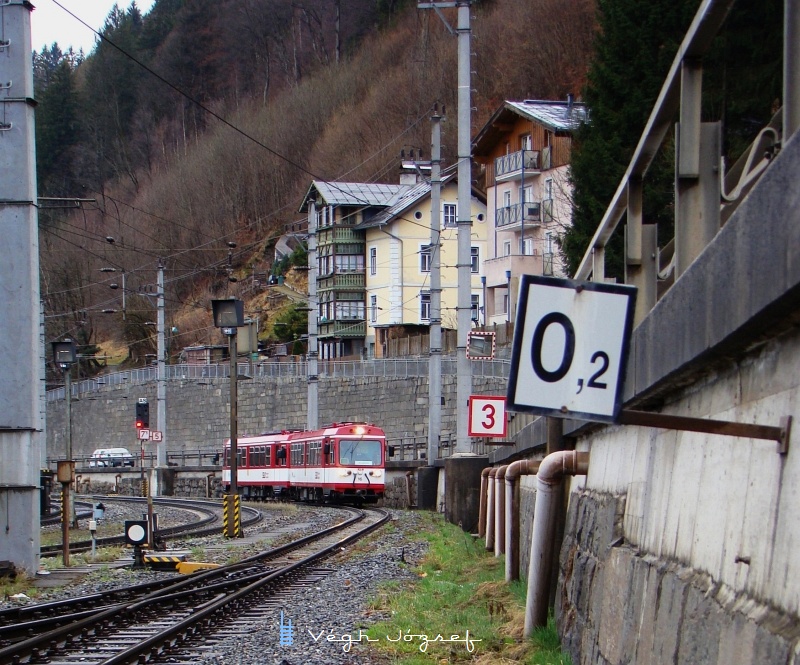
[460, 587]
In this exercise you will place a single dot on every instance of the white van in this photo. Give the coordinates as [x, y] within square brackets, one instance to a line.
[111, 457]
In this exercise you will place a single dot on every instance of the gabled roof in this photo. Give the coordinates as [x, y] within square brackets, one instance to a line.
[353, 193]
[557, 116]
[406, 200]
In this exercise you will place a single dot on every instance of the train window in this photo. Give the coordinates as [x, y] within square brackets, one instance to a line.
[315, 453]
[297, 452]
[330, 453]
[226, 460]
[280, 455]
[360, 452]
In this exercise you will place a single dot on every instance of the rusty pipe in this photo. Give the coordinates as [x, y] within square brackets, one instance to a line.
[523, 467]
[499, 511]
[408, 489]
[490, 510]
[548, 480]
[482, 509]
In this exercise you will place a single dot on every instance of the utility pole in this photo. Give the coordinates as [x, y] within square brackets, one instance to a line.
[161, 387]
[435, 359]
[21, 432]
[464, 221]
[463, 366]
[313, 308]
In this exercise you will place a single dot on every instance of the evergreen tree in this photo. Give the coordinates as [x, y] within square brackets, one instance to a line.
[57, 132]
[635, 46]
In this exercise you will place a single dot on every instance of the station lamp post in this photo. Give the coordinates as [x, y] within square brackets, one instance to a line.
[228, 316]
[65, 356]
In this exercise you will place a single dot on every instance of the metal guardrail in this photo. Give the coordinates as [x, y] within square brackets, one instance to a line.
[395, 368]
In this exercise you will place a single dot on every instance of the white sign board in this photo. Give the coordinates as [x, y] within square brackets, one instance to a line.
[144, 435]
[487, 415]
[570, 348]
[156, 435]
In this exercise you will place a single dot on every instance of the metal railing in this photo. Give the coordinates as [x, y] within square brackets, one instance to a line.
[395, 368]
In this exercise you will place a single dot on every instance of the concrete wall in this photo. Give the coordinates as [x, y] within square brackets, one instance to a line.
[683, 547]
[198, 410]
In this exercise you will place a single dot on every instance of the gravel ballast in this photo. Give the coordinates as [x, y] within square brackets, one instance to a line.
[336, 606]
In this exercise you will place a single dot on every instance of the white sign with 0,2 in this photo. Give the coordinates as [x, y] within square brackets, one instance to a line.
[570, 348]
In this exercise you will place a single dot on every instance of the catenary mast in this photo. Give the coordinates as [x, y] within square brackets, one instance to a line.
[21, 422]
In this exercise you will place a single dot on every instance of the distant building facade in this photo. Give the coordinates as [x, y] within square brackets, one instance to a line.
[524, 150]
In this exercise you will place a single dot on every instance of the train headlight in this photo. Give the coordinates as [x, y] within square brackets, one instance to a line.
[377, 473]
[360, 430]
[344, 473]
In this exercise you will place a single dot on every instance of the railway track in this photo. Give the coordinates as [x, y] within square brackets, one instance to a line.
[208, 514]
[171, 621]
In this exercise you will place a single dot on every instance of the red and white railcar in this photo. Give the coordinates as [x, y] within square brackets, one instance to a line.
[340, 462]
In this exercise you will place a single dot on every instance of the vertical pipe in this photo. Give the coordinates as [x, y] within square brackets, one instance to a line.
[552, 469]
[490, 510]
[499, 511]
[483, 501]
[512, 486]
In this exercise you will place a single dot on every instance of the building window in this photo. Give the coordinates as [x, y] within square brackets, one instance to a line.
[349, 263]
[505, 304]
[475, 303]
[449, 216]
[425, 305]
[507, 199]
[425, 258]
[525, 142]
[373, 261]
[352, 310]
[373, 308]
[507, 248]
[474, 260]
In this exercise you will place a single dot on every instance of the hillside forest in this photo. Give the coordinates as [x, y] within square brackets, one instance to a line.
[190, 134]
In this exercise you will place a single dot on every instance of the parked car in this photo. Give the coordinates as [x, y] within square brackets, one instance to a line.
[111, 457]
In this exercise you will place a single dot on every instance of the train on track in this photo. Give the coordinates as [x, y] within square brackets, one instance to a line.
[341, 462]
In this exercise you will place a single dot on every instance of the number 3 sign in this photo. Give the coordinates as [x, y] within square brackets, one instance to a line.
[570, 348]
[487, 415]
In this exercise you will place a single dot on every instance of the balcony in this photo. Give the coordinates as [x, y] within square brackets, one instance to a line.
[343, 280]
[512, 218]
[342, 328]
[515, 165]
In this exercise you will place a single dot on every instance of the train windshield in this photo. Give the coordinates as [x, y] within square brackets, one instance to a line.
[360, 452]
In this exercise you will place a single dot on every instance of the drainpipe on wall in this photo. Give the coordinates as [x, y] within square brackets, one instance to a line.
[408, 489]
[524, 467]
[402, 286]
[490, 510]
[499, 511]
[482, 509]
[209, 484]
[548, 480]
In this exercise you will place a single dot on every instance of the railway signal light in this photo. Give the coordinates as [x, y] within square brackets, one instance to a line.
[142, 415]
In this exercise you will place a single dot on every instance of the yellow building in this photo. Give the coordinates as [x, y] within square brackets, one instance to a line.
[398, 263]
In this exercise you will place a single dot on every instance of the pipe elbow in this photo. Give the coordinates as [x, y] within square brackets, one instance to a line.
[523, 467]
[485, 472]
[501, 473]
[562, 463]
[493, 472]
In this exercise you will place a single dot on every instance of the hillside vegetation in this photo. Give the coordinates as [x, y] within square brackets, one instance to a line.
[203, 122]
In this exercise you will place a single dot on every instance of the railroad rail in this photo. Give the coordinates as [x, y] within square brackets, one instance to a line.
[208, 523]
[158, 622]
